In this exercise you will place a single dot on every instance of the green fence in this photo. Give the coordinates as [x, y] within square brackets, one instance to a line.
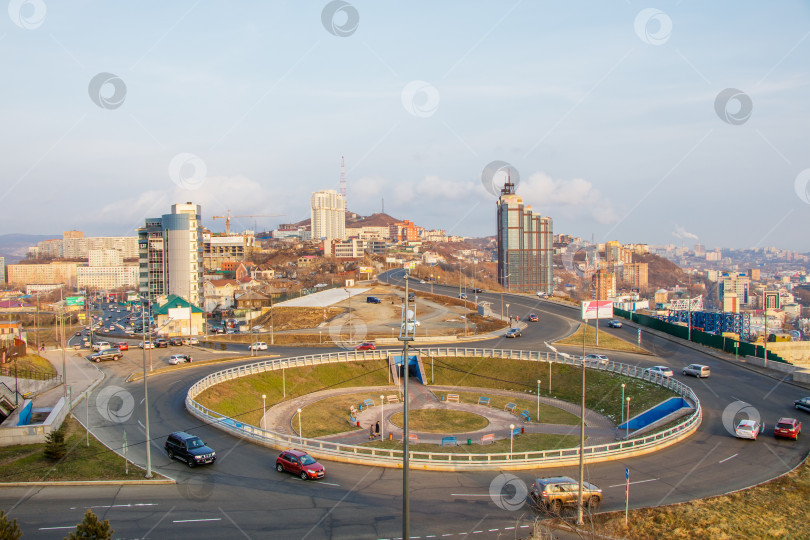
[741, 348]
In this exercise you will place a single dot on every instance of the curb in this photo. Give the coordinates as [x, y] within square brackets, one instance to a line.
[72, 483]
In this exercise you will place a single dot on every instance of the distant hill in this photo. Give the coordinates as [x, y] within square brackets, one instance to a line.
[376, 220]
[14, 247]
[661, 272]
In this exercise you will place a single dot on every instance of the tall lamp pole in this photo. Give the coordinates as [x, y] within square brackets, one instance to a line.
[146, 398]
[406, 333]
[582, 433]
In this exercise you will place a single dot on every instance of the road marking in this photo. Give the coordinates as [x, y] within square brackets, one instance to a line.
[122, 505]
[636, 482]
[329, 484]
[728, 458]
[55, 528]
[142, 426]
[195, 520]
[469, 495]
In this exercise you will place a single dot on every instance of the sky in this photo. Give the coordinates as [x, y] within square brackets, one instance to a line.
[673, 122]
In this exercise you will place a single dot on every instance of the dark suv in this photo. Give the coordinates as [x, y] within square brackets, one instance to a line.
[175, 341]
[189, 449]
[554, 493]
[160, 342]
[106, 354]
[373, 300]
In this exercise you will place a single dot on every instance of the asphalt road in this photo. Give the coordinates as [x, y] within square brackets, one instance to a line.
[242, 495]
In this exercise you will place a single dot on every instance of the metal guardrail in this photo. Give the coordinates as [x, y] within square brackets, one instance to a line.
[439, 460]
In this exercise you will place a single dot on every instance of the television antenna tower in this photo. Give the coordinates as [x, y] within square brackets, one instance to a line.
[343, 184]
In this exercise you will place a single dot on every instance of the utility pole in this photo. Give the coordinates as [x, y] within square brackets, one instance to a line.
[582, 432]
[146, 395]
[406, 333]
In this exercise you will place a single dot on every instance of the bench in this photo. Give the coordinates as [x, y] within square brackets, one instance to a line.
[483, 401]
[525, 416]
[392, 399]
[449, 441]
[352, 420]
[488, 438]
[453, 398]
[368, 403]
[516, 432]
[510, 407]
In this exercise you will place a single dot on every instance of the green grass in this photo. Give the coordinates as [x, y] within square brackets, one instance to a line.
[27, 463]
[33, 362]
[441, 421]
[548, 414]
[329, 416]
[603, 389]
[528, 442]
[241, 398]
[606, 341]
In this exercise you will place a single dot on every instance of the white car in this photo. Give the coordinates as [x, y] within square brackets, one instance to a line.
[660, 370]
[598, 358]
[541, 294]
[258, 346]
[749, 429]
[146, 345]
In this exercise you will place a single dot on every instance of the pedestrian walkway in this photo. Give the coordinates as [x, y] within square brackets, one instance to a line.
[81, 376]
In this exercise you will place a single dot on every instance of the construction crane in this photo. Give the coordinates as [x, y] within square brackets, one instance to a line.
[228, 218]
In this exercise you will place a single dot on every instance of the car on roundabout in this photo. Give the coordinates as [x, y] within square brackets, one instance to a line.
[513, 333]
[552, 494]
[660, 370]
[300, 464]
[179, 359]
[614, 324]
[189, 449]
[802, 404]
[533, 317]
[597, 358]
[365, 346]
[258, 346]
[697, 370]
[749, 429]
[191, 341]
[788, 428]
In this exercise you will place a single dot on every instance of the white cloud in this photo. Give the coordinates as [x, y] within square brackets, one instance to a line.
[570, 198]
[682, 233]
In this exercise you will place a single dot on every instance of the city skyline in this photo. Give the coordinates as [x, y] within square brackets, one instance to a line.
[619, 120]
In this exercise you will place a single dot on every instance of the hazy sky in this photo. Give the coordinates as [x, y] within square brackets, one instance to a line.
[615, 114]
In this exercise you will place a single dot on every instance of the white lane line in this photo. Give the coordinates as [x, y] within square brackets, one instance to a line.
[524, 526]
[329, 484]
[55, 528]
[469, 494]
[195, 520]
[142, 426]
[636, 482]
[122, 505]
[728, 458]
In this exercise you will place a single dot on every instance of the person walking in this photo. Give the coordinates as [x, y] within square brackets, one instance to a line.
[371, 431]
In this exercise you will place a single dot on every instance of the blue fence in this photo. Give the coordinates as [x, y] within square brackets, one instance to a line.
[655, 414]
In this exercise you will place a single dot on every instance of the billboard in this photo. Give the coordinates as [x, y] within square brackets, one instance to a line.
[180, 313]
[410, 265]
[590, 307]
[366, 269]
[74, 301]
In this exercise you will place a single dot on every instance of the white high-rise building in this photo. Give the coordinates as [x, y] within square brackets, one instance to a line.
[328, 215]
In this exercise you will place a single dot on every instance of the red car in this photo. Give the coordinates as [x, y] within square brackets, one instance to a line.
[533, 317]
[365, 347]
[123, 346]
[788, 428]
[300, 464]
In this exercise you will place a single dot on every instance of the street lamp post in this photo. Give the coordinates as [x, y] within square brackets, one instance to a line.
[511, 436]
[549, 377]
[627, 424]
[300, 434]
[582, 432]
[622, 402]
[146, 397]
[382, 417]
[538, 400]
[264, 409]
[503, 280]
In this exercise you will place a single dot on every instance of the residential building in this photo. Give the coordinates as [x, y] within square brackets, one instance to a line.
[218, 248]
[754, 274]
[614, 252]
[74, 245]
[171, 259]
[253, 300]
[525, 245]
[737, 283]
[328, 215]
[2, 269]
[43, 274]
[177, 317]
[353, 248]
[604, 285]
[107, 277]
[404, 231]
[219, 294]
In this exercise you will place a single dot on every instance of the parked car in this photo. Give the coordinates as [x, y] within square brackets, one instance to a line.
[176, 341]
[660, 370]
[373, 300]
[554, 493]
[614, 324]
[77, 334]
[258, 346]
[533, 317]
[106, 354]
[802, 404]
[541, 294]
[697, 370]
[179, 359]
[788, 428]
[123, 346]
[478, 291]
[749, 429]
[598, 358]
[101, 345]
[191, 341]
[189, 449]
[513, 333]
[160, 342]
[366, 346]
[146, 345]
[300, 464]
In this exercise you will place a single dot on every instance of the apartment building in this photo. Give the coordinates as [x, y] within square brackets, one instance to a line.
[328, 215]
[45, 274]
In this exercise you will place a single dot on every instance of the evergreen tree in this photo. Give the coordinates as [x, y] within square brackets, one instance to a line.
[55, 445]
[92, 529]
[8, 529]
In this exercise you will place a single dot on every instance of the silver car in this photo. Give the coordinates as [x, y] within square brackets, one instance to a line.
[697, 370]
